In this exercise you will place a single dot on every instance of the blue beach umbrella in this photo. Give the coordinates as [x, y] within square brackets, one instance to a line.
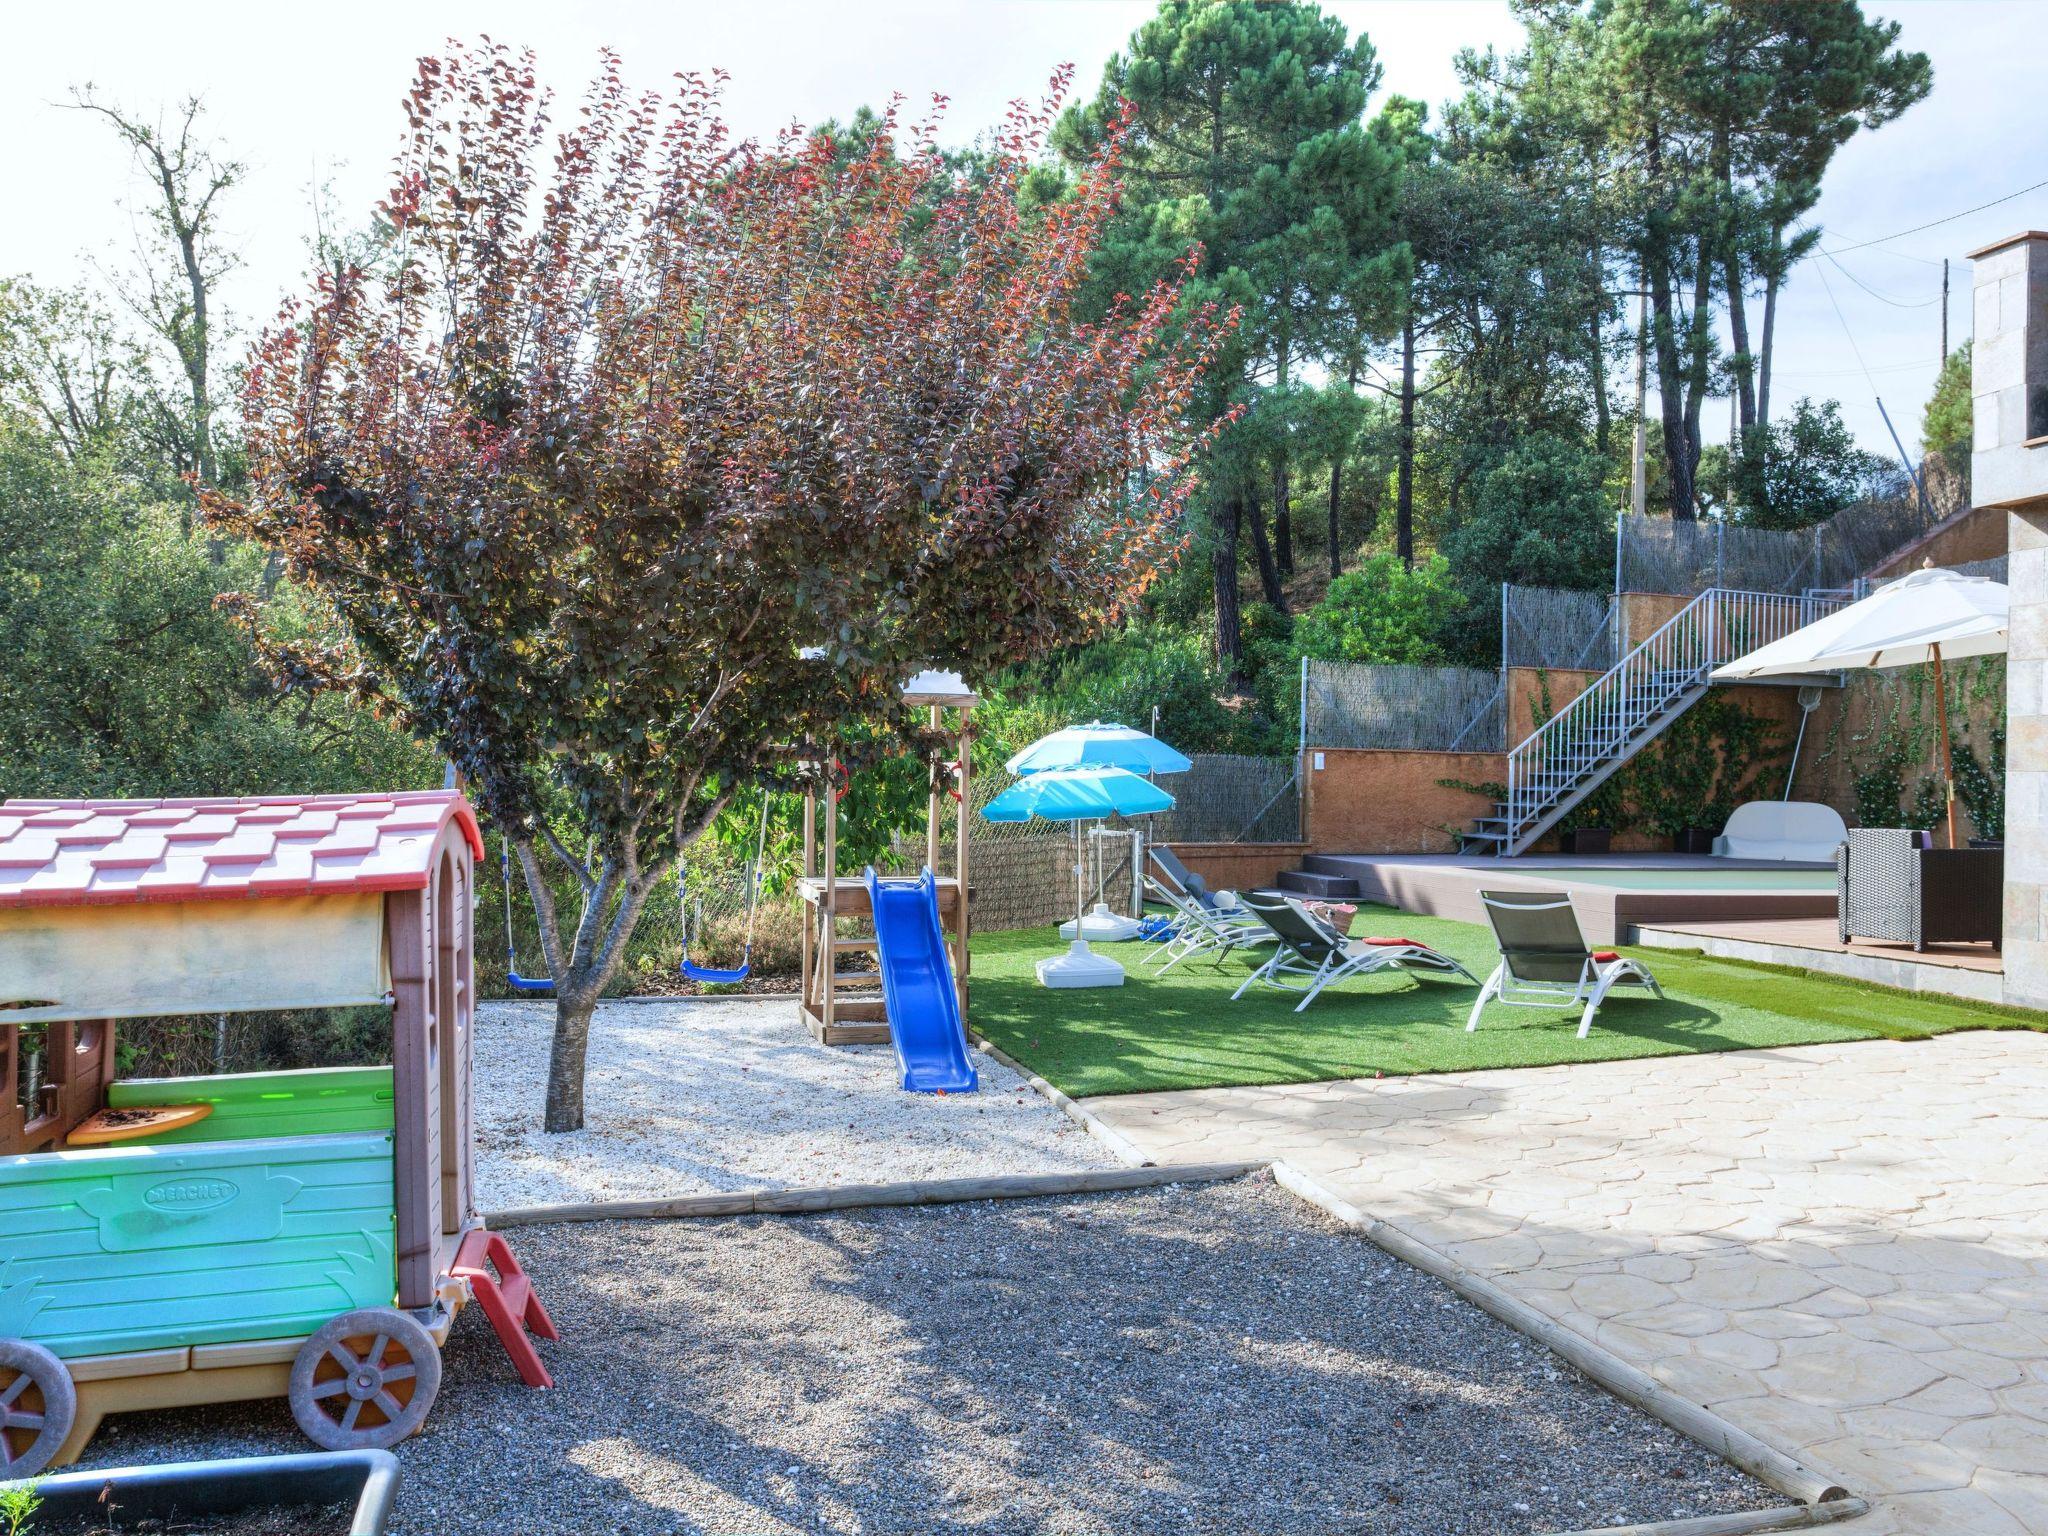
[1099, 745]
[1076, 795]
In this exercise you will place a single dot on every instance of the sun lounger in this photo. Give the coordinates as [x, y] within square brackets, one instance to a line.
[1200, 930]
[1311, 949]
[1544, 961]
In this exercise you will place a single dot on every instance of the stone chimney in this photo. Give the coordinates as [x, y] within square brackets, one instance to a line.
[2009, 469]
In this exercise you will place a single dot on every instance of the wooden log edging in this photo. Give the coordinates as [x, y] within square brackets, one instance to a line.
[794, 1202]
[1627, 1382]
[1073, 1108]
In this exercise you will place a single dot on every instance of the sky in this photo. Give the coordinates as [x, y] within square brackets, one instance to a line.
[310, 94]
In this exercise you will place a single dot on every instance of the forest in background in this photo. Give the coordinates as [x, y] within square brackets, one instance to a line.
[1434, 370]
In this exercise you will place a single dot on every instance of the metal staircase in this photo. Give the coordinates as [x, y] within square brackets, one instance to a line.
[1577, 749]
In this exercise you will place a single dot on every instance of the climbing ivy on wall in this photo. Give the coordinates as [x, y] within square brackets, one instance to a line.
[1980, 783]
[1713, 757]
[1710, 760]
[1893, 778]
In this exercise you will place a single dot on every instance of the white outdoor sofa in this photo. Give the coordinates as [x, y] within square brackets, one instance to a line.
[1802, 830]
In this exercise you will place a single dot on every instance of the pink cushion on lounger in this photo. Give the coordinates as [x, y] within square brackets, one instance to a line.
[1606, 956]
[1412, 944]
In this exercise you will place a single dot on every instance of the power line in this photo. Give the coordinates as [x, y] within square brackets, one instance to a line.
[1948, 218]
[1911, 471]
[1855, 351]
[1883, 298]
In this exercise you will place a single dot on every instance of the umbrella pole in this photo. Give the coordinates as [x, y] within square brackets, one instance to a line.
[1080, 889]
[1948, 776]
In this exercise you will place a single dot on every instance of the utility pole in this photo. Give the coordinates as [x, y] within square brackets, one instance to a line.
[1944, 311]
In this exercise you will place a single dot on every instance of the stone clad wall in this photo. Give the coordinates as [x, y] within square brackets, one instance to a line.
[2009, 469]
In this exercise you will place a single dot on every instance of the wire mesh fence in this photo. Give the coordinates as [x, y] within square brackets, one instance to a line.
[1859, 537]
[1556, 627]
[1411, 708]
[1658, 554]
[1229, 798]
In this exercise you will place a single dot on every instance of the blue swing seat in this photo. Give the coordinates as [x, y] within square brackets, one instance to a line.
[519, 983]
[713, 975]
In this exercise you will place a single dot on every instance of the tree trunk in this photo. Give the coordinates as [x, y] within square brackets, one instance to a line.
[1603, 408]
[1283, 518]
[1283, 511]
[1763, 370]
[1223, 575]
[1262, 549]
[1404, 474]
[1699, 359]
[583, 968]
[565, 1060]
[1336, 498]
[1741, 363]
[1655, 266]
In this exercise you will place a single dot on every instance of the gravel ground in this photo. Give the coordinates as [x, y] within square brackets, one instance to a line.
[1189, 1360]
[695, 1097]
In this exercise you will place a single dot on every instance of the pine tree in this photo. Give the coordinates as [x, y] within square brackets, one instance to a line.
[1249, 137]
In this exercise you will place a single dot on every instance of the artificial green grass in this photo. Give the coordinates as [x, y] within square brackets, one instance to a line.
[1182, 1030]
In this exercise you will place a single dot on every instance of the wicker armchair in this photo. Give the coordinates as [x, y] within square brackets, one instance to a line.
[1889, 885]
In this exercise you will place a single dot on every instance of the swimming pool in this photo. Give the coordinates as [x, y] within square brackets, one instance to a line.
[1686, 879]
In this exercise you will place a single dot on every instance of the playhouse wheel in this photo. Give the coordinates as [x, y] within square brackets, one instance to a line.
[365, 1381]
[37, 1407]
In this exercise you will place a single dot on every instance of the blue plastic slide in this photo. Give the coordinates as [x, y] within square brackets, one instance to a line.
[917, 984]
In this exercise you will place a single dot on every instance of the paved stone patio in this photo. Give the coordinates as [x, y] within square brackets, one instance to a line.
[1842, 1249]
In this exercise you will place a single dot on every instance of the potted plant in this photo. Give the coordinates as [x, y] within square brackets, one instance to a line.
[1588, 840]
[358, 1485]
[1693, 840]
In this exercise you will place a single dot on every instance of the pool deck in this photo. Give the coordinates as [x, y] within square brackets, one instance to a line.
[1448, 885]
[1974, 971]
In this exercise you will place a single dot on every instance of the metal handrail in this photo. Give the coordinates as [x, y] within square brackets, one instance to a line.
[1601, 725]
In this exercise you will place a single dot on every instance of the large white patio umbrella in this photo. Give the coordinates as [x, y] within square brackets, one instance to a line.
[1100, 744]
[1925, 619]
[1076, 795]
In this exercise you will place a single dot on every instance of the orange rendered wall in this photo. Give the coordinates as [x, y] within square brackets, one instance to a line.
[1240, 866]
[1367, 801]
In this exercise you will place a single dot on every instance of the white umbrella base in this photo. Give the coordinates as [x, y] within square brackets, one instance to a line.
[1080, 966]
[1101, 923]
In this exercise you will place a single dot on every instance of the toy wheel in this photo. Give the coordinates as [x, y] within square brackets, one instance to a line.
[38, 1405]
[365, 1381]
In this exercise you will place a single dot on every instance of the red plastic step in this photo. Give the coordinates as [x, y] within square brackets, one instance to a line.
[502, 1289]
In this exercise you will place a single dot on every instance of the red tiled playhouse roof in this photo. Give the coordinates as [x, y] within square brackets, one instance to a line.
[67, 853]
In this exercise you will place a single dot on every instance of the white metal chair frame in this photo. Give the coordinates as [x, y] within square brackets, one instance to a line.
[1201, 930]
[1323, 955]
[1595, 979]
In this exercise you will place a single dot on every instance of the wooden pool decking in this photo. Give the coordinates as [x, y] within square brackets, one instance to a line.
[1713, 913]
[1974, 971]
[1448, 885]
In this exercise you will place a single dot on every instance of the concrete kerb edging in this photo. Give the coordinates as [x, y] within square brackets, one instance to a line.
[797, 1202]
[1822, 1500]
[1074, 1109]
[1791, 1517]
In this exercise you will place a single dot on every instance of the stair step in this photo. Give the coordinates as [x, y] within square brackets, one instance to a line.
[1308, 883]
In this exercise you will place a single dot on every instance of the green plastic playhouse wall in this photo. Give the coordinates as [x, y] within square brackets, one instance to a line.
[316, 1103]
[245, 1236]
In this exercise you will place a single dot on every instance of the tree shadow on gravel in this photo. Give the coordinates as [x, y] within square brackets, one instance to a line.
[1200, 1361]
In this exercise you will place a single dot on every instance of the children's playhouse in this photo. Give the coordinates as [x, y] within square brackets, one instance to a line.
[307, 1235]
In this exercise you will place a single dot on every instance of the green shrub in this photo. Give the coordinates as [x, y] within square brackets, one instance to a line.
[1382, 612]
